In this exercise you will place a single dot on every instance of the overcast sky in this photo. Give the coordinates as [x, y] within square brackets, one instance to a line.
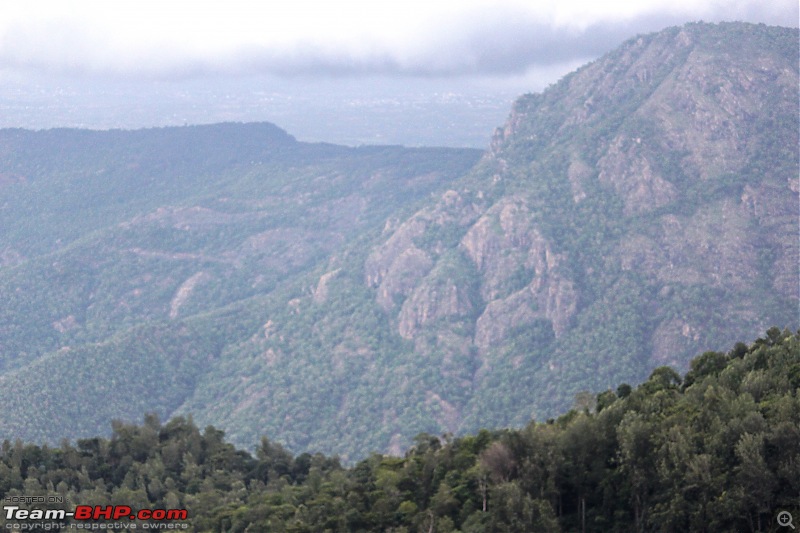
[170, 39]
[503, 44]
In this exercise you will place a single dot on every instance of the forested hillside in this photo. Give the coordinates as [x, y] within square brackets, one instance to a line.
[133, 262]
[715, 450]
[342, 300]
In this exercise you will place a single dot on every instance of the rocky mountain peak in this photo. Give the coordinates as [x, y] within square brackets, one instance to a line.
[639, 211]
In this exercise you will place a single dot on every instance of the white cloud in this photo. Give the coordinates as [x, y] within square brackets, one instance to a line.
[179, 39]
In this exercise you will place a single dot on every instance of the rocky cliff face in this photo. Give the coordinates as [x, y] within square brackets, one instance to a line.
[642, 210]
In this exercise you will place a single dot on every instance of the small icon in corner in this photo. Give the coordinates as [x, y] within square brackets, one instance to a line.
[785, 519]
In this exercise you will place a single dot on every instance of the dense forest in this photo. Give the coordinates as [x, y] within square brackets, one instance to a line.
[717, 449]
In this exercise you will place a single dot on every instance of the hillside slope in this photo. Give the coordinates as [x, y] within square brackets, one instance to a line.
[714, 450]
[130, 261]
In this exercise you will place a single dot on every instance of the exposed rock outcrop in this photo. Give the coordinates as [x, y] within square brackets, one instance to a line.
[396, 267]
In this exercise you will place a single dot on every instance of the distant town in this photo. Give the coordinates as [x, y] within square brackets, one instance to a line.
[340, 112]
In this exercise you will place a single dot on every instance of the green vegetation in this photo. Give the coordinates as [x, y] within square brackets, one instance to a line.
[134, 262]
[716, 450]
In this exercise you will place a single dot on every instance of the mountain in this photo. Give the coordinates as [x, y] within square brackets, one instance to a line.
[640, 211]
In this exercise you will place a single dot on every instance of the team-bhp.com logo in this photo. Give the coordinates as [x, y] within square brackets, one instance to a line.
[83, 514]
